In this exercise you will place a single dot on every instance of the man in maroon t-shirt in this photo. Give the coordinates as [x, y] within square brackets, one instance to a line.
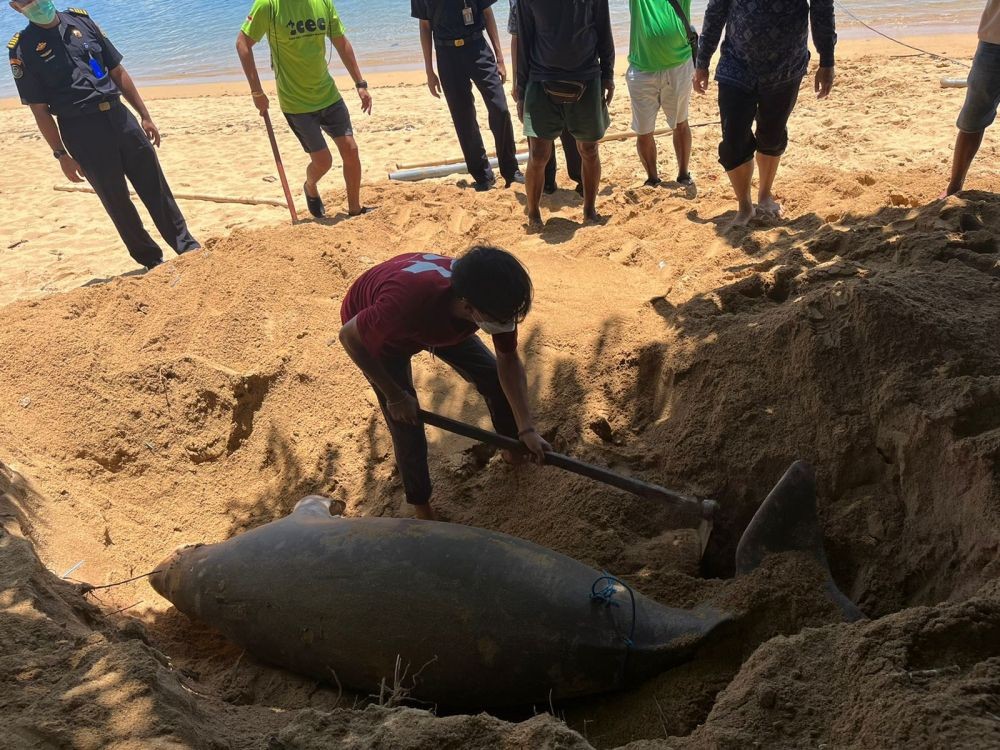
[421, 301]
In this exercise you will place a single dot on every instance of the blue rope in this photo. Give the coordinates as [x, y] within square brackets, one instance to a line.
[607, 597]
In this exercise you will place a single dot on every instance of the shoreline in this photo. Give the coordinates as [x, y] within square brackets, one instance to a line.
[233, 84]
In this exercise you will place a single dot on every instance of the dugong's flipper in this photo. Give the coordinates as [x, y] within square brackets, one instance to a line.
[317, 505]
[787, 521]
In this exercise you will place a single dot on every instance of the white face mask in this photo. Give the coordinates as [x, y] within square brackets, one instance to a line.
[495, 329]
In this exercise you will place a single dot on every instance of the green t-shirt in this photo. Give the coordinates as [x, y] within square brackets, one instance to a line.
[296, 31]
[658, 39]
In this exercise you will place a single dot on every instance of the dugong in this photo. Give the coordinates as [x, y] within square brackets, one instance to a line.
[475, 618]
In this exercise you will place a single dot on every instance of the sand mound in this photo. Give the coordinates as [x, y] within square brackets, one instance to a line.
[204, 399]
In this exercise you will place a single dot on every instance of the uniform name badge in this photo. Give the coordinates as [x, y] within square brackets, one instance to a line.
[467, 16]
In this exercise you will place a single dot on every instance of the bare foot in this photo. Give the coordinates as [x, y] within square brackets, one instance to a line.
[768, 205]
[534, 224]
[592, 217]
[424, 512]
[512, 458]
[360, 212]
[743, 217]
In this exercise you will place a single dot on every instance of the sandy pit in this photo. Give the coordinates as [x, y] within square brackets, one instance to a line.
[205, 398]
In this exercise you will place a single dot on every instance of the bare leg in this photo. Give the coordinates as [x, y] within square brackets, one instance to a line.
[645, 145]
[539, 151]
[682, 147]
[768, 166]
[319, 165]
[742, 180]
[966, 147]
[424, 512]
[348, 148]
[590, 157]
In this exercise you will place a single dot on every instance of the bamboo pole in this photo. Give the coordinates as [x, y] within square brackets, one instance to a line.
[624, 136]
[186, 196]
[416, 174]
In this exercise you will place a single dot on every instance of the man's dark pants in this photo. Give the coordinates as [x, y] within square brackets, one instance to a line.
[458, 69]
[770, 107]
[477, 365]
[110, 146]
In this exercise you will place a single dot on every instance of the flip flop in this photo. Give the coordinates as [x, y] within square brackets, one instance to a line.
[364, 210]
[315, 205]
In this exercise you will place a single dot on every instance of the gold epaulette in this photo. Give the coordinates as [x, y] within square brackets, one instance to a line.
[78, 12]
[14, 40]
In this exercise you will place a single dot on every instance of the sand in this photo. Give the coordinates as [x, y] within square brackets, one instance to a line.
[205, 398]
[214, 143]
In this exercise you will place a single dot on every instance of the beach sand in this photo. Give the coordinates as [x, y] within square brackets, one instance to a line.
[887, 113]
[206, 397]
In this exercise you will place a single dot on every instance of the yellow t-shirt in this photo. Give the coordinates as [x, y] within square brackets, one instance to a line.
[296, 32]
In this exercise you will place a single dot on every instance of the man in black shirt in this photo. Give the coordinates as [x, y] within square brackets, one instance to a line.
[455, 30]
[64, 66]
[565, 79]
[568, 141]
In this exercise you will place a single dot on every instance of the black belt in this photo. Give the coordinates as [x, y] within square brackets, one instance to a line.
[460, 42]
[107, 105]
[94, 108]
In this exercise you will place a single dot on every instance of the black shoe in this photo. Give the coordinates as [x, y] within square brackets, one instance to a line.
[518, 178]
[315, 205]
[483, 186]
[685, 180]
[653, 182]
[550, 188]
[579, 189]
[154, 264]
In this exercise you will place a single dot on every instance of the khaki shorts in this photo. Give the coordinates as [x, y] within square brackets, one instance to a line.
[668, 90]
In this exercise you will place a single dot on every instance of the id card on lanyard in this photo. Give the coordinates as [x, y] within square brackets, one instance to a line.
[467, 14]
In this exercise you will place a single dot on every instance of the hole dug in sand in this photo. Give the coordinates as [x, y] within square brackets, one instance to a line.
[868, 348]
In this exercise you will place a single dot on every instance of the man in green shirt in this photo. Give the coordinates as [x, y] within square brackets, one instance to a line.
[659, 77]
[296, 32]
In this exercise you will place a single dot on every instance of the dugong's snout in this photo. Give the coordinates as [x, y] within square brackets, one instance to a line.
[162, 578]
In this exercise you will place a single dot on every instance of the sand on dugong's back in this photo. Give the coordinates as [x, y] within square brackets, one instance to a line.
[204, 399]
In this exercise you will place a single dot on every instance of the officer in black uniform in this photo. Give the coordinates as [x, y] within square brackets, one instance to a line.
[455, 29]
[64, 66]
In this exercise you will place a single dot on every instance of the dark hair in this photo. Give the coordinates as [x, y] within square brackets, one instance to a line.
[494, 282]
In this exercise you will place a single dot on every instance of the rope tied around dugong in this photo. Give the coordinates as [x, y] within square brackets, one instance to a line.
[607, 597]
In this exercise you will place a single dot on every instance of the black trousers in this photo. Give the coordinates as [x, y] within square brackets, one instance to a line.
[573, 162]
[739, 108]
[477, 365]
[110, 146]
[458, 69]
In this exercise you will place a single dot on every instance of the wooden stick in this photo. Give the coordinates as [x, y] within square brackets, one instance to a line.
[624, 136]
[186, 196]
[597, 473]
[281, 167]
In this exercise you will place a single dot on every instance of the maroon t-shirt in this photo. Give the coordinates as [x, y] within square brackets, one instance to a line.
[403, 307]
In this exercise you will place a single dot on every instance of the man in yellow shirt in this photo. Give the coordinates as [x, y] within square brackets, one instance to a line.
[297, 31]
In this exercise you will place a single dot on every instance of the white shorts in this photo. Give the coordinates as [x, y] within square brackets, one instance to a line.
[669, 90]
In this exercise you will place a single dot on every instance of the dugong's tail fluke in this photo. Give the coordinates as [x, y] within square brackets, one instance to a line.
[787, 521]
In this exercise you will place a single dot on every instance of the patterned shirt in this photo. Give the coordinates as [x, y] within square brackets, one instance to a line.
[767, 41]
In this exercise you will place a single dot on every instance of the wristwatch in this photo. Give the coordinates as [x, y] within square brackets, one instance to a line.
[59, 154]
[362, 84]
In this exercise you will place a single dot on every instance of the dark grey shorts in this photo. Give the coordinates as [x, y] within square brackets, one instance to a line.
[983, 94]
[309, 126]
